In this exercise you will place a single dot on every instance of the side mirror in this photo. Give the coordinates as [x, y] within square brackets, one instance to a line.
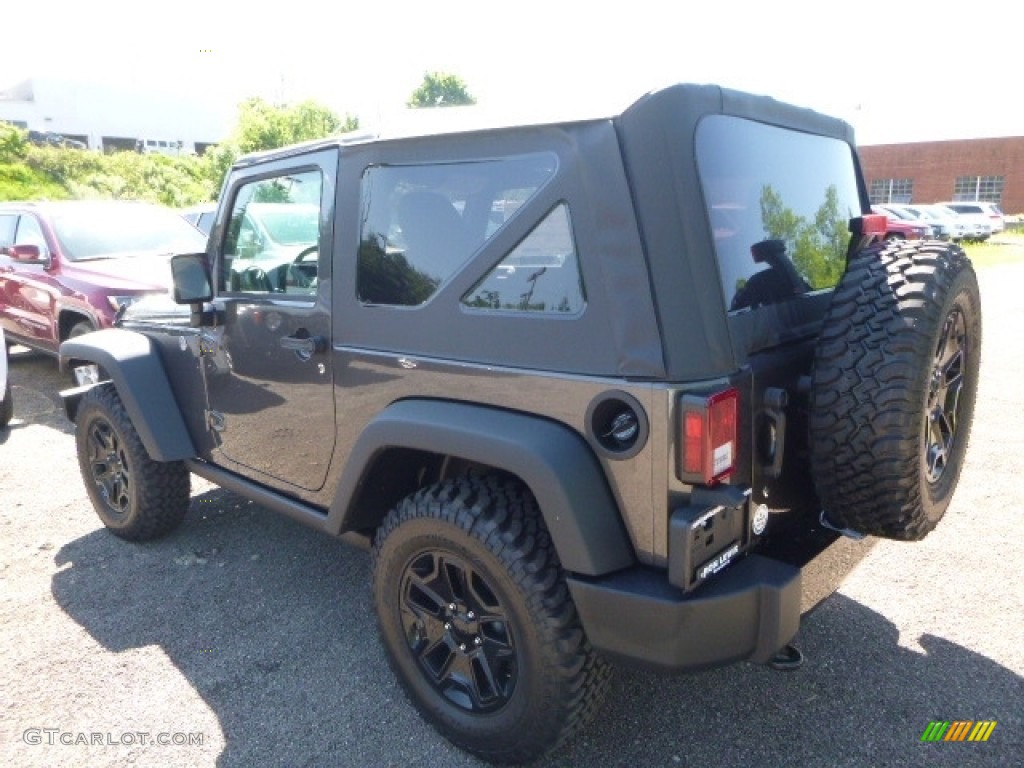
[190, 275]
[27, 254]
[191, 284]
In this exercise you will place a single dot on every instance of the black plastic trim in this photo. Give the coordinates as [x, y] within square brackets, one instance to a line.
[265, 497]
[555, 462]
[133, 364]
[748, 612]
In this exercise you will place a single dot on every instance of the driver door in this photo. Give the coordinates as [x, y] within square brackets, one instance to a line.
[27, 288]
[267, 366]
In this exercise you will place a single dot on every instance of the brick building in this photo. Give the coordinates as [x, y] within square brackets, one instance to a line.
[933, 171]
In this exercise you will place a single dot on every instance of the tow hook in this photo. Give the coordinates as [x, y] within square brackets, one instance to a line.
[788, 659]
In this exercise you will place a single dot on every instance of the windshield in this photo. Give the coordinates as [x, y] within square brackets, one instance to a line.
[105, 231]
[288, 224]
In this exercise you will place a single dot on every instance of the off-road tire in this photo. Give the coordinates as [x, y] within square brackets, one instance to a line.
[484, 530]
[135, 497]
[893, 388]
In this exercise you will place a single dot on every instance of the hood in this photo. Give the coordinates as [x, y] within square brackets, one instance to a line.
[142, 272]
[156, 308]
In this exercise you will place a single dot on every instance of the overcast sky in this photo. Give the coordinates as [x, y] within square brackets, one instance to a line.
[901, 70]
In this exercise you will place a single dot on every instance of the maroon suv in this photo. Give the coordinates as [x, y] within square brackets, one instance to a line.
[66, 267]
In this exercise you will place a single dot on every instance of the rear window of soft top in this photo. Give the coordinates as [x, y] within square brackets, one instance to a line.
[779, 203]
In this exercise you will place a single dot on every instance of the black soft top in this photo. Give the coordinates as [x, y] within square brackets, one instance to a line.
[653, 142]
[658, 139]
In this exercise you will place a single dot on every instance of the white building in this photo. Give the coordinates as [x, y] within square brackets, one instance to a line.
[108, 118]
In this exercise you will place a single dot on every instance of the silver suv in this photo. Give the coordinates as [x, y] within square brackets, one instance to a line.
[981, 211]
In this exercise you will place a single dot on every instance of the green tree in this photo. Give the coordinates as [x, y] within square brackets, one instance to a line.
[19, 182]
[263, 126]
[440, 89]
[173, 181]
[32, 172]
[13, 143]
[818, 248]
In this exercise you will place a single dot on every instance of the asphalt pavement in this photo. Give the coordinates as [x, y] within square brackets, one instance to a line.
[244, 639]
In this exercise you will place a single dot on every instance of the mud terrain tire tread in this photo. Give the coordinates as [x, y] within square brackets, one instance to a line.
[157, 493]
[495, 521]
[873, 364]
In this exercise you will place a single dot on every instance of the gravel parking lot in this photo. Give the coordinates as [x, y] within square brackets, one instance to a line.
[244, 639]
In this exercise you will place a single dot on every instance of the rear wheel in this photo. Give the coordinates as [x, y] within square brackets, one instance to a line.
[135, 497]
[478, 622]
[893, 388]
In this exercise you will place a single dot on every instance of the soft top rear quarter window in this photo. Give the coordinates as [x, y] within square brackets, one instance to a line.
[541, 275]
[779, 203]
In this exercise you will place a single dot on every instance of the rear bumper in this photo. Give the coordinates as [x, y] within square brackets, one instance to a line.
[748, 612]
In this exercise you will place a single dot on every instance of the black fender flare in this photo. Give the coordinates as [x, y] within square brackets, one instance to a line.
[136, 370]
[555, 462]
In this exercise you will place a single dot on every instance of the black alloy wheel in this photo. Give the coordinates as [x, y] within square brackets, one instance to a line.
[942, 412]
[458, 631]
[108, 467]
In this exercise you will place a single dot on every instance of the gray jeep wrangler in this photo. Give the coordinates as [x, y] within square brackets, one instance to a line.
[591, 391]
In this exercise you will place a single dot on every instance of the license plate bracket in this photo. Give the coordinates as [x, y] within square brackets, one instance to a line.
[703, 541]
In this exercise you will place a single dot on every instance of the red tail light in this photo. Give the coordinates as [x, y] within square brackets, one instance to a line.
[708, 444]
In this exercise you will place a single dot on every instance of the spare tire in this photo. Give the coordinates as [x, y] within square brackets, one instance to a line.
[893, 388]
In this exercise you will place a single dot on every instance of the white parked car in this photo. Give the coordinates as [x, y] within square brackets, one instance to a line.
[978, 226]
[6, 402]
[988, 212]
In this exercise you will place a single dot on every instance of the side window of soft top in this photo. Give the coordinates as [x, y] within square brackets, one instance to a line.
[420, 224]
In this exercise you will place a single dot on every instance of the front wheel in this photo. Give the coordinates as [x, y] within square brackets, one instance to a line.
[477, 620]
[135, 497]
